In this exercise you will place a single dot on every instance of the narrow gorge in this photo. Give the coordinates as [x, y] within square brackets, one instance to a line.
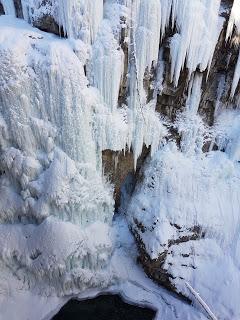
[120, 155]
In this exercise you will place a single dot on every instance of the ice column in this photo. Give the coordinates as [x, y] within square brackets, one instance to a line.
[234, 20]
[198, 26]
[8, 7]
[81, 19]
[107, 65]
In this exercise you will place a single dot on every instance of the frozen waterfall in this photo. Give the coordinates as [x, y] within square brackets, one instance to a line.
[80, 77]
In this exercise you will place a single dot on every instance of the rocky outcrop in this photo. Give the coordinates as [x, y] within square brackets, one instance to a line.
[217, 84]
[118, 165]
[157, 269]
[47, 23]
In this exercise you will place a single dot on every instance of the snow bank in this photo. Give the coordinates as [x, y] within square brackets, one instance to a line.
[58, 253]
[193, 191]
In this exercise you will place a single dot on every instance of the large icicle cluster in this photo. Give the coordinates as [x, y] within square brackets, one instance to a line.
[234, 22]
[199, 26]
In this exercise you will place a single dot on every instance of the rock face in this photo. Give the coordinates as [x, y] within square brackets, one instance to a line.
[117, 166]
[18, 8]
[1, 9]
[157, 269]
[47, 23]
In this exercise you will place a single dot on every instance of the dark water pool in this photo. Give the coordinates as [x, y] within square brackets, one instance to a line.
[108, 307]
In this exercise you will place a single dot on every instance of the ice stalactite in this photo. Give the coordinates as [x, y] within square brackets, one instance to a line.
[146, 22]
[107, 65]
[234, 19]
[139, 122]
[81, 19]
[194, 94]
[234, 22]
[199, 26]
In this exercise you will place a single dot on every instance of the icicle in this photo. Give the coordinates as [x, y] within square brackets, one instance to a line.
[107, 66]
[166, 7]
[199, 27]
[234, 19]
[146, 21]
[236, 77]
[81, 19]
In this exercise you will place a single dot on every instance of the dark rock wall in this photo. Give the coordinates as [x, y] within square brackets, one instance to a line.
[1, 9]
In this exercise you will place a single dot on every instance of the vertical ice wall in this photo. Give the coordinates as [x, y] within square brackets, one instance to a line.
[47, 105]
[199, 26]
[8, 7]
[145, 24]
[107, 65]
[79, 19]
